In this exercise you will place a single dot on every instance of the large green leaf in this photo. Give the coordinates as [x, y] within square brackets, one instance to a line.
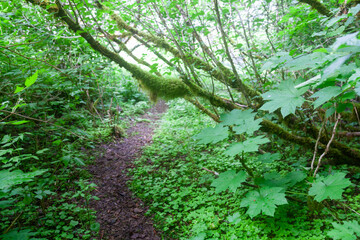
[249, 145]
[236, 117]
[212, 135]
[31, 80]
[357, 88]
[229, 180]
[334, 66]
[325, 94]
[264, 200]
[330, 187]
[16, 234]
[9, 179]
[269, 157]
[307, 61]
[275, 179]
[349, 40]
[243, 121]
[286, 97]
[248, 127]
[277, 60]
[347, 231]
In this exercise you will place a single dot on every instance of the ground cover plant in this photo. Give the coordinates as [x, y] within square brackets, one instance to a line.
[279, 79]
[196, 192]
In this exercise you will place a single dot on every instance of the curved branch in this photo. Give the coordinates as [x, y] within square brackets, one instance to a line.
[318, 6]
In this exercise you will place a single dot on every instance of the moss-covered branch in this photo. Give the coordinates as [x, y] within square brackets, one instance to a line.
[217, 73]
[185, 88]
[318, 6]
[203, 109]
[339, 156]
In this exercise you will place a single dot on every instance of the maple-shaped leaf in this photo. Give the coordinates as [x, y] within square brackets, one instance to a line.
[357, 88]
[229, 180]
[264, 200]
[249, 145]
[275, 179]
[236, 117]
[286, 97]
[235, 218]
[269, 157]
[248, 127]
[347, 231]
[243, 121]
[325, 94]
[331, 187]
[212, 135]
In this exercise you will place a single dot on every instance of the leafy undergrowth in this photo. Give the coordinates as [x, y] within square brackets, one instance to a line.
[177, 178]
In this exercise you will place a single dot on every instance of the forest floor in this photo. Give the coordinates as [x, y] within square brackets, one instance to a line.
[119, 212]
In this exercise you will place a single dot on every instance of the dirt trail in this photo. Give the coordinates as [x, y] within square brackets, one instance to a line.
[119, 212]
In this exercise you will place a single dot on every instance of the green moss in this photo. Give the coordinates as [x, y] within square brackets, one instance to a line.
[166, 88]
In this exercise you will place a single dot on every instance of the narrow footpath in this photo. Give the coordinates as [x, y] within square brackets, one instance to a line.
[119, 212]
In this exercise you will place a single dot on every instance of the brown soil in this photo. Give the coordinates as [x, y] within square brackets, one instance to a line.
[119, 212]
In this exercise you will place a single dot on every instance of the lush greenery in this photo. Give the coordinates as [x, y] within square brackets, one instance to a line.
[189, 201]
[281, 80]
[58, 99]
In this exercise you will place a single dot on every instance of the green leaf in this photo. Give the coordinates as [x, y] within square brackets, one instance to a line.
[333, 67]
[346, 231]
[236, 117]
[18, 122]
[286, 97]
[306, 61]
[334, 20]
[235, 218]
[229, 180]
[73, 223]
[325, 94]
[295, 177]
[272, 179]
[31, 80]
[249, 145]
[269, 157]
[265, 200]
[9, 179]
[357, 88]
[275, 179]
[248, 127]
[355, 76]
[5, 139]
[354, 10]
[350, 40]
[212, 135]
[95, 227]
[330, 112]
[330, 187]
[275, 61]
[18, 89]
[243, 121]
[17, 234]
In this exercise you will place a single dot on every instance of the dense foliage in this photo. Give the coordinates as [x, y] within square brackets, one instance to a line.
[58, 98]
[281, 79]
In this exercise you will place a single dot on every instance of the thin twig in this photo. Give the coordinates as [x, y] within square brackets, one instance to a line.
[349, 208]
[317, 143]
[328, 145]
[12, 223]
[357, 114]
[210, 171]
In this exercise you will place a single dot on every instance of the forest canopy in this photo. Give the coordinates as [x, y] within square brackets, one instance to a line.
[297, 60]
